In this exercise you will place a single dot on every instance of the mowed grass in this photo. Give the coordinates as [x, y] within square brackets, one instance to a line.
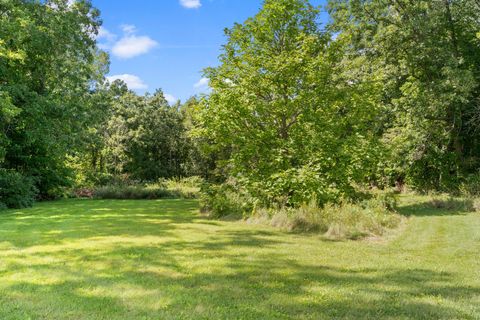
[85, 259]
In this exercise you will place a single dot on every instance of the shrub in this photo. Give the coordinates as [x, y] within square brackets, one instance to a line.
[221, 201]
[470, 187]
[16, 191]
[385, 200]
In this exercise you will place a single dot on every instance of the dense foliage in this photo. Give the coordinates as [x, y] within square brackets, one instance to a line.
[134, 138]
[386, 94]
[427, 56]
[48, 64]
[16, 191]
[296, 124]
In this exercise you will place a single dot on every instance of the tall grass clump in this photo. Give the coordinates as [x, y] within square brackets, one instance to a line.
[476, 204]
[131, 192]
[336, 221]
[187, 188]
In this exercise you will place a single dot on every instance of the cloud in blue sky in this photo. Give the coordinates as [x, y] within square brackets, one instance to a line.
[131, 46]
[202, 85]
[105, 38]
[170, 98]
[133, 82]
[128, 46]
[191, 4]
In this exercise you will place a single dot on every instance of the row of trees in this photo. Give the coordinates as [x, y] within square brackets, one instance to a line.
[386, 93]
[138, 138]
[61, 124]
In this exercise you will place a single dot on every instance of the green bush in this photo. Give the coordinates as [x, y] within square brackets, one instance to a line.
[385, 200]
[221, 201]
[16, 191]
[470, 187]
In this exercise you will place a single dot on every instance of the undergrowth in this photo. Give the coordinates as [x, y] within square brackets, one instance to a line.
[336, 221]
[187, 188]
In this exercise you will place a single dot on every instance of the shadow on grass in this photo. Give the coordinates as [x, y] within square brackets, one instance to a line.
[244, 288]
[56, 222]
[229, 274]
[429, 208]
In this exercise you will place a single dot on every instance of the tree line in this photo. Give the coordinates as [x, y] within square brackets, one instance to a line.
[386, 93]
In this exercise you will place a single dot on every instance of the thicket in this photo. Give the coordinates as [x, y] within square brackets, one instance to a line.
[16, 191]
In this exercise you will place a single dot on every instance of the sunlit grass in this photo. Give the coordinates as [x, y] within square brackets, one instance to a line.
[85, 259]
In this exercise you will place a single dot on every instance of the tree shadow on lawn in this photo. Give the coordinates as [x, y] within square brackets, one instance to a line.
[427, 209]
[268, 287]
[231, 277]
[66, 221]
[227, 274]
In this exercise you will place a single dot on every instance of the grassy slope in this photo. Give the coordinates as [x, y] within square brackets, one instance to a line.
[159, 260]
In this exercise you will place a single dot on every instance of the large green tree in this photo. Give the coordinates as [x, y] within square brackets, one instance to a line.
[48, 65]
[292, 122]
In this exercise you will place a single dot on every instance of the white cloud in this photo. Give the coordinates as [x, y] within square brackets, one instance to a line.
[170, 98]
[103, 33]
[128, 46]
[191, 4]
[202, 84]
[128, 28]
[105, 38]
[131, 46]
[133, 82]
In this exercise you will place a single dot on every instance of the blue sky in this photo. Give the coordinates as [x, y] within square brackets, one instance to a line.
[166, 43]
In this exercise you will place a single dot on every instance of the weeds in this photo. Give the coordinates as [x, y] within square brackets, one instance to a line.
[187, 188]
[344, 221]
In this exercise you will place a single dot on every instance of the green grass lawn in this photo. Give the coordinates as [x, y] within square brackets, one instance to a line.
[83, 259]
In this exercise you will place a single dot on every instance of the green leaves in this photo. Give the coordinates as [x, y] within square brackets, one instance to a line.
[427, 58]
[285, 106]
[47, 58]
